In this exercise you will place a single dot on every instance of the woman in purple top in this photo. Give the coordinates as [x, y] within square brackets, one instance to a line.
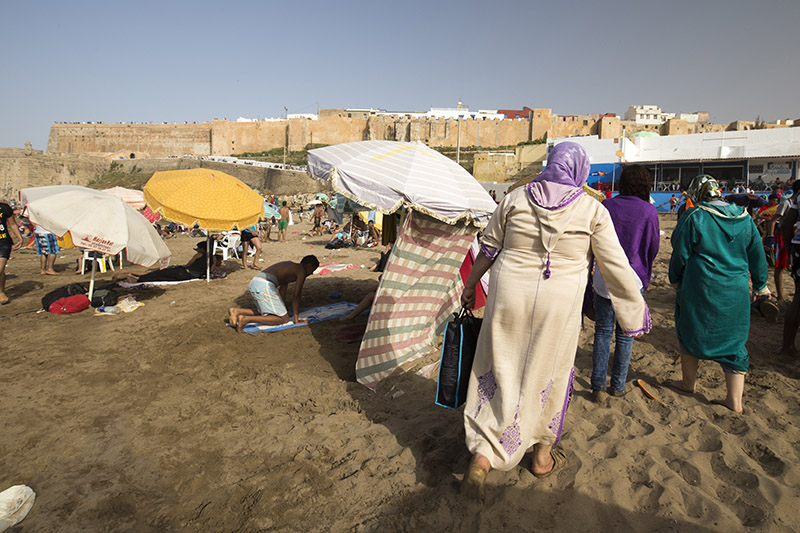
[636, 224]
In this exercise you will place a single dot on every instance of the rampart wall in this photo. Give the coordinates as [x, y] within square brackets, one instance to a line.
[21, 168]
[221, 137]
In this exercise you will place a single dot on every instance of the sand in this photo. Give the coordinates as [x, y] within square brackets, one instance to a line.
[165, 419]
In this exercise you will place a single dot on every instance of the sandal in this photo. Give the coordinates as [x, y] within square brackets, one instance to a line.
[769, 310]
[559, 460]
[473, 484]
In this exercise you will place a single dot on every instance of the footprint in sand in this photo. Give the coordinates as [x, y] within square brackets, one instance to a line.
[737, 478]
[769, 462]
[687, 471]
[706, 440]
[732, 424]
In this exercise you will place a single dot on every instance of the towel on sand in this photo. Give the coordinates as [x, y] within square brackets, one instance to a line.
[155, 283]
[313, 315]
[331, 268]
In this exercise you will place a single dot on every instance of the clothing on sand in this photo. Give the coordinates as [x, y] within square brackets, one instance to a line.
[264, 291]
[542, 238]
[714, 246]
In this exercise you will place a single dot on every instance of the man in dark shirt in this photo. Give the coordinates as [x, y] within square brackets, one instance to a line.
[10, 239]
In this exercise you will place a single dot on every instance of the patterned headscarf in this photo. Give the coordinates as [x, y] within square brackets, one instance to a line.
[704, 188]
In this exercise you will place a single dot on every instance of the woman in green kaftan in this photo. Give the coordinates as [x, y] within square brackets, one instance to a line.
[714, 247]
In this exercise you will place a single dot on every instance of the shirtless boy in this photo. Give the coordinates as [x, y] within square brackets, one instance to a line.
[268, 290]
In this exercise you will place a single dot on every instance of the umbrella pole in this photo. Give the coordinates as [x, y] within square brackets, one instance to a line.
[91, 281]
[208, 256]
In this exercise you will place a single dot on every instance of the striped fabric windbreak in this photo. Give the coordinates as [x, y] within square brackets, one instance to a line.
[420, 289]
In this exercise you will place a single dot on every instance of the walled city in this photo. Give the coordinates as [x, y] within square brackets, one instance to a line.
[78, 153]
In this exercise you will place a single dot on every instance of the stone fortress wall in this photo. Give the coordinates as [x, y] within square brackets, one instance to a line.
[21, 168]
[222, 137]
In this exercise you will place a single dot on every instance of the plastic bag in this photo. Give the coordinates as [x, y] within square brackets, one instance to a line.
[15, 502]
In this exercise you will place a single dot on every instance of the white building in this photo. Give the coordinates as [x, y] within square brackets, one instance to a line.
[738, 157]
[647, 114]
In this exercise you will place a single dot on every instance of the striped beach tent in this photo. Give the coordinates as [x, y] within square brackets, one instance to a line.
[420, 288]
[421, 284]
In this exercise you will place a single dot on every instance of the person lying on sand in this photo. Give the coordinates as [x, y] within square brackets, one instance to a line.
[365, 303]
[268, 290]
[194, 269]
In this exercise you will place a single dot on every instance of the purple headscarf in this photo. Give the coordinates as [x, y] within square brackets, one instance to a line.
[561, 181]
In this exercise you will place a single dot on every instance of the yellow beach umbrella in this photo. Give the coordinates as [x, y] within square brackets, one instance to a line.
[213, 200]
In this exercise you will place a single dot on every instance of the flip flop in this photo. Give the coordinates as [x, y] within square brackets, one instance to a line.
[559, 461]
[646, 390]
[769, 310]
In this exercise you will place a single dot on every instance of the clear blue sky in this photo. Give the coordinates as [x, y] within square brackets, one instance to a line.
[181, 61]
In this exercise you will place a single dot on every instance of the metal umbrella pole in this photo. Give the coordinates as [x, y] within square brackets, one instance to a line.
[91, 281]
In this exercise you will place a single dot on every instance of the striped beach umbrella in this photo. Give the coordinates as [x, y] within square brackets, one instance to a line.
[389, 175]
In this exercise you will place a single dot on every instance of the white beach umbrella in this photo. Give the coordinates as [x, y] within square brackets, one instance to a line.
[96, 221]
[132, 197]
[388, 175]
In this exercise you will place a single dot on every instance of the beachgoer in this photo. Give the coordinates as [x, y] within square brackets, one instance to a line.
[318, 212]
[673, 204]
[365, 303]
[782, 258]
[636, 224]
[790, 231]
[10, 240]
[538, 243]
[47, 249]
[250, 238]
[268, 290]
[194, 269]
[283, 223]
[714, 246]
[374, 234]
[380, 264]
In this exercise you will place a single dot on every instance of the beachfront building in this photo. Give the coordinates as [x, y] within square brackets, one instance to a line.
[752, 158]
[647, 115]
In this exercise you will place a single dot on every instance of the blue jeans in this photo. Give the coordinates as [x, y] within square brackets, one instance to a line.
[604, 328]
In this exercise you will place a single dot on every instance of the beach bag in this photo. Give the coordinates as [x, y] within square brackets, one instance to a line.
[70, 304]
[458, 352]
[62, 292]
[104, 296]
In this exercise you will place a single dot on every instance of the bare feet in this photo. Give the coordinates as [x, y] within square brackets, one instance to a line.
[558, 458]
[473, 484]
[3, 298]
[233, 320]
[51, 273]
[724, 403]
[679, 386]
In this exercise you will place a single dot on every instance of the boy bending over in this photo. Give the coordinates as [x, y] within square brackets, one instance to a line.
[268, 290]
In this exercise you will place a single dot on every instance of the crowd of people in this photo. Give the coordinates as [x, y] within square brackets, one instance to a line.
[544, 241]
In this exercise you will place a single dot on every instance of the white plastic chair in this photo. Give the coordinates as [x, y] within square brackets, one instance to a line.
[102, 262]
[227, 245]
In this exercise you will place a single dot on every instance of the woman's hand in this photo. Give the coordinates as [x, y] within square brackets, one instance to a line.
[468, 298]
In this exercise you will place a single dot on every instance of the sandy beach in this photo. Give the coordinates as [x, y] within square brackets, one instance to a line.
[165, 419]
